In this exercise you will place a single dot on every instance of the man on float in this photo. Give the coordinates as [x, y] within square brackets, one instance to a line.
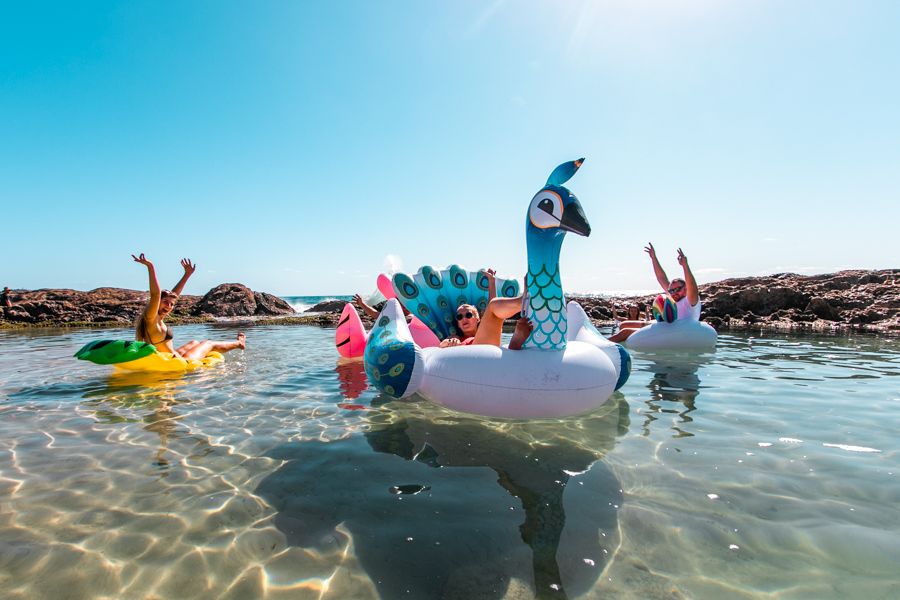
[683, 291]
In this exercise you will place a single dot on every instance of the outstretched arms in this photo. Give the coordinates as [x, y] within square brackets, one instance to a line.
[189, 269]
[693, 295]
[153, 305]
[657, 268]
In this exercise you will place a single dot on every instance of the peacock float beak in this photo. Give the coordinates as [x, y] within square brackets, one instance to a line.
[573, 220]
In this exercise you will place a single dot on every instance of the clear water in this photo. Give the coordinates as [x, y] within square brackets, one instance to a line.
[767, 470]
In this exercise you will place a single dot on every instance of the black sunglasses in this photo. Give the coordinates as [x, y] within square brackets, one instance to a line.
[675, 290]
[465, 315]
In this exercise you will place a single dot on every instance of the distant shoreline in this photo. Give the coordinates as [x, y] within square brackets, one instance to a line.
[846, 301]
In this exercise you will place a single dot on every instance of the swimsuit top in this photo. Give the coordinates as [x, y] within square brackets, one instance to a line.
[168, 337]
[467, 341]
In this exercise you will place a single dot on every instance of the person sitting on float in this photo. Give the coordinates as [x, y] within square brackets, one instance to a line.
[637, 311]
[477, 330]
[151, 328]
[683, 292]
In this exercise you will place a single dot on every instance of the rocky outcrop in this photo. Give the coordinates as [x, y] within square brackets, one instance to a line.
[237, 300]
[117, 307]
[329, 306]
[847, 300]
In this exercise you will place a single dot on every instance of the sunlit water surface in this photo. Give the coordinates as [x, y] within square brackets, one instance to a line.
[766, 470]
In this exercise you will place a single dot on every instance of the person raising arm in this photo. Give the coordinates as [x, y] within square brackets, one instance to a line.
[684, 293]
[151, 327]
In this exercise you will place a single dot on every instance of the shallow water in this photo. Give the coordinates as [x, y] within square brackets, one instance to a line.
[766, 470]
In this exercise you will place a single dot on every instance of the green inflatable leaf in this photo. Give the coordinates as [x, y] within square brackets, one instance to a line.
[111, 352]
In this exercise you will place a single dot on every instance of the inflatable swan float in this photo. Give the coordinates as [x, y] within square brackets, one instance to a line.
[565, 366]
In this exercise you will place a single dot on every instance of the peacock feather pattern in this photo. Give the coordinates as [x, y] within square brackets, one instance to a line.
[544, 309]
[433, 296]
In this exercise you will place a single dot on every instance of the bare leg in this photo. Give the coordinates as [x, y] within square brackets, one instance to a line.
[187, 347]
[523, 330]
[491, 326]
[622, 335]
[633, 324]
[205, 347]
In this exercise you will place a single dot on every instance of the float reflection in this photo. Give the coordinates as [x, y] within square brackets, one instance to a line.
[427, 516]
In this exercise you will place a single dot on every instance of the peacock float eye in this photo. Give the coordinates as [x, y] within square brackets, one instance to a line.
[546, 209]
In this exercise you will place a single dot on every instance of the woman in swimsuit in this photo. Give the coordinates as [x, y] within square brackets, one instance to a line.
[477, 330]
[151, 328]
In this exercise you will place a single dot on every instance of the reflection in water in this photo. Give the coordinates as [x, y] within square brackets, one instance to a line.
[351, 378]
[429, 520]
[674, 379]
[130, 390]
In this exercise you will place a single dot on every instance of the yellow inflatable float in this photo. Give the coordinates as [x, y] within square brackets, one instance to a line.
[141, 356]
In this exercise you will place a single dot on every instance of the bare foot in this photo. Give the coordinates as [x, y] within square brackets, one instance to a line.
[242, 341]
[523, 330]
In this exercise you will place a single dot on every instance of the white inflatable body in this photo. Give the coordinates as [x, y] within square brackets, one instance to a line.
[683, 334]
[498, 382]
[519, 384]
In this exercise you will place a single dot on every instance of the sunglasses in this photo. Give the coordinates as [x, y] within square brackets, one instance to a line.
[465, 315]
[675, 290]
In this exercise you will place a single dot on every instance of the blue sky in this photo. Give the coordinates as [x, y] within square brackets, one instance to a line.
[299, 147]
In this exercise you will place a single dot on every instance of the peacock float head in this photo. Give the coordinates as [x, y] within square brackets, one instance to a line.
[553, 212]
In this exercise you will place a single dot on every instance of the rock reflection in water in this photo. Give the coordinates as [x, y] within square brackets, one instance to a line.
[460, 535]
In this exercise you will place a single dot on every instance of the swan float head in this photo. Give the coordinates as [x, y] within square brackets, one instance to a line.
[553, 212]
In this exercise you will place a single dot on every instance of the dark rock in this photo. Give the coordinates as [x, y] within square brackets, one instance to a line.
[823, 310]
[116, 306]
[328, 306]
[267, 304]
[227, 300]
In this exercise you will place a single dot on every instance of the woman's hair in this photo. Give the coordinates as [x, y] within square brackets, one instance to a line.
[140, 324]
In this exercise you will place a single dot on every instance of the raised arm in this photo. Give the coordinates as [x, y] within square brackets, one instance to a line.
[189, 269]
[492, 283]
[693, 294]
[153, 305]
[360, 303]
[657, 268]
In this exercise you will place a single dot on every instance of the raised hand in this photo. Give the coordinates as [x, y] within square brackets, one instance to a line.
[682, 259]
[649, 249]
[189, 267]
[142, 260]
